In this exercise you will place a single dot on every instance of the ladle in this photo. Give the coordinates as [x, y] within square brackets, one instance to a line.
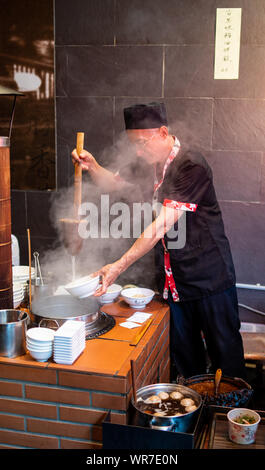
[71, 238]
[217, 380]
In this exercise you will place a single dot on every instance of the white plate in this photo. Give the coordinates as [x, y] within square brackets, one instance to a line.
[69, 329]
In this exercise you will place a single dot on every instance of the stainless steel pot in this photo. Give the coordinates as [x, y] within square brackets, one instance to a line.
[53, 311]
[13, 327]
[180, 423]
[59, 308]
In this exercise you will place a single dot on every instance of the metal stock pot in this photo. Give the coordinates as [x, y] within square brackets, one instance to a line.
[13, 327]
[180, 423]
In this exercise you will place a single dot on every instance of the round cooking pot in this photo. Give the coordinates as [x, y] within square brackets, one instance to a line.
[238, 396]
[180, 423]
[57, 309]
[13, 327]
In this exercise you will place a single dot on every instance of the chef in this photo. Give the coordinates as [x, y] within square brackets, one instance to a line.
[196, 278]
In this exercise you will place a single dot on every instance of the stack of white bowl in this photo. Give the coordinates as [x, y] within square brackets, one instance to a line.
[21, 275]
[40, 343]
[18, 294]
[69, 341]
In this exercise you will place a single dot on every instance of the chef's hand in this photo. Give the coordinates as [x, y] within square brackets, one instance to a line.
[109, 274]
[85, 159]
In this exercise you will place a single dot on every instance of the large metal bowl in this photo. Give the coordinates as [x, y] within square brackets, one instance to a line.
[181, 423]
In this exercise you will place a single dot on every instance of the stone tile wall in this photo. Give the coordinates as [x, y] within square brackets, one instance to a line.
[112, 53]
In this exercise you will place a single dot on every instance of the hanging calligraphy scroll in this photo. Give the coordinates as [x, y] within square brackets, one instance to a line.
[227, 43]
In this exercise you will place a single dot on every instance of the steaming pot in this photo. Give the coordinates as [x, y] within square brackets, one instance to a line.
[53, 311]
[180, 423]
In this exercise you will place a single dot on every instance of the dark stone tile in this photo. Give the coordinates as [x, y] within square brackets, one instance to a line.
[18, 213]
[250, 83]
[165, 22]
[63, 163]
[122, 71]
[262, 185]
[239, 125]
[61, 71]
[244, 223]
[189, 71]
[236, 174]
[93, 116]
[84, 22]
[191, 121]
[39, 244]
[38, 210]
[253, 19]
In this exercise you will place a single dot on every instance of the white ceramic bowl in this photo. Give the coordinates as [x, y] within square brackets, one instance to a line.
[21, 273]
[242, 433]
[41, 356]
[112, 293]
[40, 334]
[137, 297]
[39, 346]
[83, 287]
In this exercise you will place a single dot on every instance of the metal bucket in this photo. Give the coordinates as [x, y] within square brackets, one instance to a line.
[13, 327]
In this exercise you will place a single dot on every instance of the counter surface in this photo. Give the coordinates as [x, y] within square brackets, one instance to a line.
[50, 405]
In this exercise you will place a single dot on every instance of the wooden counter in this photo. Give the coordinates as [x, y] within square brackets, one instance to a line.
[49, 405]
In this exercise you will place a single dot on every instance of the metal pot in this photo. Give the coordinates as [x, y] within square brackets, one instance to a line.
[13, 327]
[55, 310]
[182, 423]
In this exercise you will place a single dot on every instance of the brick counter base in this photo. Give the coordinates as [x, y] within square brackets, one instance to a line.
[49, 408]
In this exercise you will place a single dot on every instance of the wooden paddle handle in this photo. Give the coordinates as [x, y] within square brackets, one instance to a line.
[78, 172]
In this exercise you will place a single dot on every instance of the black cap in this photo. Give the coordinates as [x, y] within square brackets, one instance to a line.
[145, 116]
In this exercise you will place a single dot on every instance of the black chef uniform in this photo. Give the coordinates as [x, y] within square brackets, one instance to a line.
[204, 275]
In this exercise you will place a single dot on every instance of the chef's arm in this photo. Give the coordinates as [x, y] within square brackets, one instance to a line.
[103, 178]
[148, 239]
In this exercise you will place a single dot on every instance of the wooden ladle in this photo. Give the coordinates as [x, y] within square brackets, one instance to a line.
[217, 380]
[71, 238]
